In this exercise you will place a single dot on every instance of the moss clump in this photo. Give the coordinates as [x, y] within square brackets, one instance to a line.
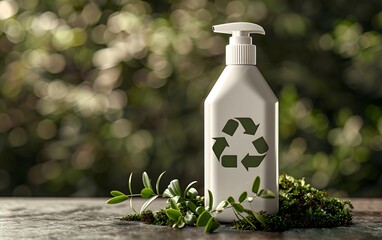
[162, 219]
[132, 217]
[302, 206]
[149, 217]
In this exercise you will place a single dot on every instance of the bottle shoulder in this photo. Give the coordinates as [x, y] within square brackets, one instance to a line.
[241, 81]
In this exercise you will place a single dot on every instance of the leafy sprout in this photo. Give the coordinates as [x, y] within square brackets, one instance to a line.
[187, 207]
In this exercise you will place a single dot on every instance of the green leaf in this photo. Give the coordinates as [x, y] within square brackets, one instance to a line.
[231, 200]
[203, 219]
[239, 216]
[242, 197]
[117, 199]
[260, 218]
[190, 218]
[174, 187]
[210, 200]
[158, 182]
[266, 194]
[256, 185]
[176, 199]
[173, 214]
[167, 193]
[173, 204]
[146, 180]
[192, 193]
[147, 203]
[238, 207]
[191, 206]
[248, 211]
[130, 179]
[221, 205]
[147, 193]
[199, 210]
[211, 225]
[116, 193]
[180, 223]
[188, 187]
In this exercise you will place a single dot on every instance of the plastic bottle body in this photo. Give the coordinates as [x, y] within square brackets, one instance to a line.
[241, 138]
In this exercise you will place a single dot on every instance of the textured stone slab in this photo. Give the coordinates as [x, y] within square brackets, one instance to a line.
[91, 218]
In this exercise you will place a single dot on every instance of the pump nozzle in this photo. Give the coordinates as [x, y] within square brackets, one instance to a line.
[239, 28]
[240, 49]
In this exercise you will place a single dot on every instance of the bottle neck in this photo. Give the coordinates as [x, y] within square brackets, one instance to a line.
[241, 54]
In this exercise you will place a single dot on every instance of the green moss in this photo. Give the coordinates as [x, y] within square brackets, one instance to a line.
[132, 217]
[162, 219]
[149, 217]
[302, 206]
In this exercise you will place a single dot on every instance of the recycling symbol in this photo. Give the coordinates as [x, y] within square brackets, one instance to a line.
[249, 161]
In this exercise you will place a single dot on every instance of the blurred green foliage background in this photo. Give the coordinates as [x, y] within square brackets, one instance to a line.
[92, 90]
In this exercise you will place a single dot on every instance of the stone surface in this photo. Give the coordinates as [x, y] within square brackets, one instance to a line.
[92, 218]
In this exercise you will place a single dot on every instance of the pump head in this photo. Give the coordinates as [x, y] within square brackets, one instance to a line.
[240, 49]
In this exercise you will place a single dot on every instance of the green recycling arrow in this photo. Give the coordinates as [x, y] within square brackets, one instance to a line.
[229, 161]
[252, 161]
[230, 127]
[249, 161]
[219, 146]
[249, 126]
[260, 145]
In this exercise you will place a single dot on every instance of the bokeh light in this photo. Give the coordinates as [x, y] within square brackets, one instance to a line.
[93, 90]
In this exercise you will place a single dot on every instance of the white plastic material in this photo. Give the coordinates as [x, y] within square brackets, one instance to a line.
[241, 131]
[240, 49]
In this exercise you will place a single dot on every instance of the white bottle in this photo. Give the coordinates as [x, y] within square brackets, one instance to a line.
[241, 126]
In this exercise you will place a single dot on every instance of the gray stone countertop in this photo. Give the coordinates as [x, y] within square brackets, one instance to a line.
[92, 218]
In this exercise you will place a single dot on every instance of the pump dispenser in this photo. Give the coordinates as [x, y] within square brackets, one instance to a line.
[241, 126]
[240, 49]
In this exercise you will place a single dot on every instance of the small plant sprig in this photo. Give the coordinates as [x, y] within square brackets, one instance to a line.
[147, 192]
[187, 207]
